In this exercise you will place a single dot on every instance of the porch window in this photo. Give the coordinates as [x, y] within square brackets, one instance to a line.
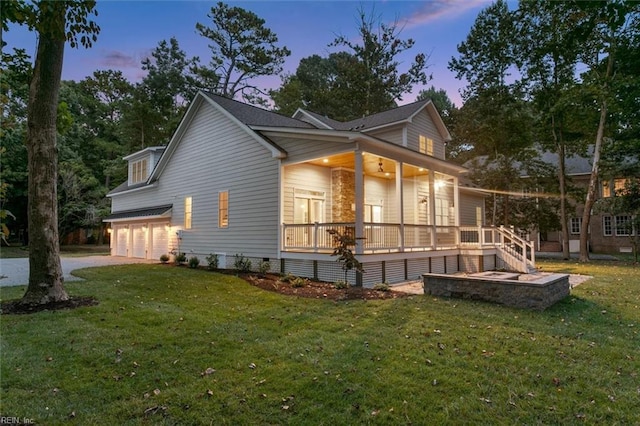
[576, 225]
[372, 213]
[223, 209]
[607, 226]
[442, 212]
[187, 212]
[139, 171]
[308, 206]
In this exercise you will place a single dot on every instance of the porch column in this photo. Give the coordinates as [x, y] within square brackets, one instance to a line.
[432, 207]
[400, 202]
[456, 210]
[359, 202]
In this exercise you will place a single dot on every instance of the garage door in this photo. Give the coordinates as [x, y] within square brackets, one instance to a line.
[121, 241]
[159, 240]
[139, 248]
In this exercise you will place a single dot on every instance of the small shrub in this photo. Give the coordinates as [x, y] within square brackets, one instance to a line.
[288, 278]
[194, 262]
[242, 264]
[263, 267]
[164, 258]
[181, 258]
[341, 285]
[212, 261]
[299, 282]
[382, 287]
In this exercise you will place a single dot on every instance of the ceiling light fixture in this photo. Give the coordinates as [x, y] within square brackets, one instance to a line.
[380, 169]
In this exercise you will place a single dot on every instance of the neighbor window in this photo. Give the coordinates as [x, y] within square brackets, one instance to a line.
[426, 145]
[223, 209]
[576, 225]
[607, 226]
[611, 189]
[139, 171]
[187, 212]
[623, 226]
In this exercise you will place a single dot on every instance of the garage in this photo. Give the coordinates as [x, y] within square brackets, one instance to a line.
[140, 233]
[139, 241]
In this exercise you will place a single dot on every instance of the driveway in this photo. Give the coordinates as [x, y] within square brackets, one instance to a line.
[16, 271]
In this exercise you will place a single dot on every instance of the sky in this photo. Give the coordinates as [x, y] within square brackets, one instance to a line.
[131, 30]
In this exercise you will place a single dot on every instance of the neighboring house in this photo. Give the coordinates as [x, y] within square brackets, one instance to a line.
[236, 179]
[608, 233]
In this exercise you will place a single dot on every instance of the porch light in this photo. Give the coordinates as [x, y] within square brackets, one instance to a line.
[387, 174]
[439, 184]
[145, 228]
[326, 160]
[380, 169]
[109, 231]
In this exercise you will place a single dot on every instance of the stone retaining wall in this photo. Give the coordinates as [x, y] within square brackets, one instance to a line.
[537, 294]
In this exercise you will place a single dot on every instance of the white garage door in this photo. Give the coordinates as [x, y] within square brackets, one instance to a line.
[139, 242]
[159, 240]
[121, 236]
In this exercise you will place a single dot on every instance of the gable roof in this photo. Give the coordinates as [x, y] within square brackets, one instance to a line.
[401, 114]
[254, 116]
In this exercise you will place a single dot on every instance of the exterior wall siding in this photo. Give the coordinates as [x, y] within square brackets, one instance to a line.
[468, 205]
[393, 135]
[215, 155]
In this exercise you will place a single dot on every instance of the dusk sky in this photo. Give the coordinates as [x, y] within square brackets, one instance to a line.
[130, 30]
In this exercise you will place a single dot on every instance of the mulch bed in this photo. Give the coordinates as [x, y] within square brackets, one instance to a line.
[319, 290]
[16, 307]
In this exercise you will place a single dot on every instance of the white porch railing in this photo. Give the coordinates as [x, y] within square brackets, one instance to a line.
[517, 253]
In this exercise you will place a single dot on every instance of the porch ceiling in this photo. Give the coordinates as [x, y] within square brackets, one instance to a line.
[371, 165]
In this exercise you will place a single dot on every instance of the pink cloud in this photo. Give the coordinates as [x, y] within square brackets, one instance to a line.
[119, 59]
[439, 9]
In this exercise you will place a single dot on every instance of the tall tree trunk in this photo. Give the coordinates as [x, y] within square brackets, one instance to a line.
[45, 271]
[563, 199]
[593, 186]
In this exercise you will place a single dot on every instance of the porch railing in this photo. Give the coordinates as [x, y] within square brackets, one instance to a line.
[517, 253]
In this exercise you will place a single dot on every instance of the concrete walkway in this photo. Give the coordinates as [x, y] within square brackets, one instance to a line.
[16, 271]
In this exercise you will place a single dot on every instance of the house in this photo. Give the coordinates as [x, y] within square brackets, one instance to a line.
[608, 233]
[239, 180]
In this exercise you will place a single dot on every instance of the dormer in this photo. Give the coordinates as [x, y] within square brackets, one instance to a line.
[142, 163]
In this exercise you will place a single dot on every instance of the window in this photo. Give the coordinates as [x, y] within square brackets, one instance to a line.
[187, 212]
[372, 213]
[426, 145]
[139, 171]
[610, 189]
[223, 209]
[442, 212]
[607, 226]
[576, 225]
[308, 206]
[623, 226]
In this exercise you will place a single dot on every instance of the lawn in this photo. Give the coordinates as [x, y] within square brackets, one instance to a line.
[177, 346]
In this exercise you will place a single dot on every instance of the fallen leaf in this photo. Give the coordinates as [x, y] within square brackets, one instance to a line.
[207, 372]
[252, 366]
[156, 391]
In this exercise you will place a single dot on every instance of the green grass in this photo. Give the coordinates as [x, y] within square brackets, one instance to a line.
[141, 356]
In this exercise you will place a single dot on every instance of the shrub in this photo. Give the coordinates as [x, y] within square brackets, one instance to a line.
[288, 278]
[263, 267]
[164, 258]
[382, 287]
[194, 262]
[181, 258]
[212, 261]
[299, 282]
[341, 284]
[242, 264]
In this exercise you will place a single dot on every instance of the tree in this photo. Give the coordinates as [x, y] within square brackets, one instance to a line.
[547, 54]
[242, 48]
[327, 86]
[602, 27]
[495, 119]
[381, 79]
[160, 99]
[56, 23]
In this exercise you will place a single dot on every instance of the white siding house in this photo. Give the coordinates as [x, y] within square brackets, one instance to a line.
[236, 179]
